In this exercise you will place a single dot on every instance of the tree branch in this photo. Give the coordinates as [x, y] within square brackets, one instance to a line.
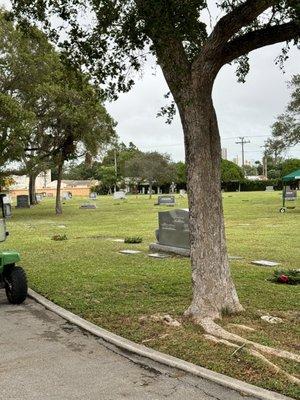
[259, 38]
[235, 20]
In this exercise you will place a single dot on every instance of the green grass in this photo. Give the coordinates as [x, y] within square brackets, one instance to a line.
[87, 275]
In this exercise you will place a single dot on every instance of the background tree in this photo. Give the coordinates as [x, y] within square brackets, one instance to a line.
[250, 170]
[181, 174]
[286, 130]
[289, 166]
[117, 155]
[29, 66]
[80, 123]
[190, 56]
[106, 174]
[231, 172]
[152, 167]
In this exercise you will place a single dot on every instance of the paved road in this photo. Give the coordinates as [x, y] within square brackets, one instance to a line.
[42, 357]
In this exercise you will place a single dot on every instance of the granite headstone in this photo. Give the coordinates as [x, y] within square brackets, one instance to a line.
[23, 201]
[174, 228]
[166, 200]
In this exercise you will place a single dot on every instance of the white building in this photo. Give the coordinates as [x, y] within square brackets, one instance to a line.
[22, 182]
[224, 153]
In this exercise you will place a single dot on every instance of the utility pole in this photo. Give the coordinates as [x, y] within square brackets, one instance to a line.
[265, 160]
[243, 142]
[116, 169]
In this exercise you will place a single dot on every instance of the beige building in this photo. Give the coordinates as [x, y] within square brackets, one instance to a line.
[47, 187]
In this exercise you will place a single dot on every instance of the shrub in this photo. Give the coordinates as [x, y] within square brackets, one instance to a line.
[133, 239]
[59, 237]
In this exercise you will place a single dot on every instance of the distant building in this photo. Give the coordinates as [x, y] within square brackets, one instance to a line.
[256, 178]
[22, 181]
[236, 160]
[224, 153]
[48, 188]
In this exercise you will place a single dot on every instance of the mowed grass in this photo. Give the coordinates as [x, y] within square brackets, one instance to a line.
[87, 275]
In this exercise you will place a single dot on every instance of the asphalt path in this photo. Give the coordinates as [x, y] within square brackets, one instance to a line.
[43, 357]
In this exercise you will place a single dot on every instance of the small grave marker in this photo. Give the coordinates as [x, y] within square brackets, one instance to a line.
[166, 200]
[265, 263]
[130, 251]
[93, 196]
[120, 195]
[88, 206]
[39, 198]
[269, 189]
[158, 255]
[66, 195]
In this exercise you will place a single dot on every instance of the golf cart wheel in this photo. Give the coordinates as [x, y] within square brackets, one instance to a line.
[282, 210]
[15, 285]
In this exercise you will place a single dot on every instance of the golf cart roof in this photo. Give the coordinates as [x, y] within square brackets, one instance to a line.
[293, 176]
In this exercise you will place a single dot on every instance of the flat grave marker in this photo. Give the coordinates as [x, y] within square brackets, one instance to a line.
[265, 263]
[87, 206]
[158, 255]
[130, 251]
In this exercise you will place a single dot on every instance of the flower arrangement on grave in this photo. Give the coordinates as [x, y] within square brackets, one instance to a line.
[290, 277]
[133, 239]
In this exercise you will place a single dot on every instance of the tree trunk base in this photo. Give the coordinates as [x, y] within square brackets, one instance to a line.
[198, 313]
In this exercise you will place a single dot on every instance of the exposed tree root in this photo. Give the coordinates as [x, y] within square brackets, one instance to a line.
[216, 330]
[255, 353]
[242, 327]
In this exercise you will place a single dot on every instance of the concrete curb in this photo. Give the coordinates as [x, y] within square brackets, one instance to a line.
[143, 351]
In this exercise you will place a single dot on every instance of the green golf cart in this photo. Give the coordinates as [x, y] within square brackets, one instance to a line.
[291, 184]
[12, 278]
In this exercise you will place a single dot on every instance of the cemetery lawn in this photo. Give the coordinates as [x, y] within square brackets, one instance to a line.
[87, 275]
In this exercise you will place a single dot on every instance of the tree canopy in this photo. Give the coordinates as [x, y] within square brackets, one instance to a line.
[123, 33]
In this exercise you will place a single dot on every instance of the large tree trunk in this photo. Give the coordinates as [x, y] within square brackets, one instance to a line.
[32, 192]
[58, 207]
[213, 289]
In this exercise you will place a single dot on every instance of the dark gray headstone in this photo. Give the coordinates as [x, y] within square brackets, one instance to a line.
[23, 201]
[174, 228]
[167, 200]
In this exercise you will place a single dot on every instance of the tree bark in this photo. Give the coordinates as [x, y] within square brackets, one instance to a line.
[58, 207]
[213, 288]
[32, 192]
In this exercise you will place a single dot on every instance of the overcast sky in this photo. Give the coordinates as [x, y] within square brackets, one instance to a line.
[243, 109]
